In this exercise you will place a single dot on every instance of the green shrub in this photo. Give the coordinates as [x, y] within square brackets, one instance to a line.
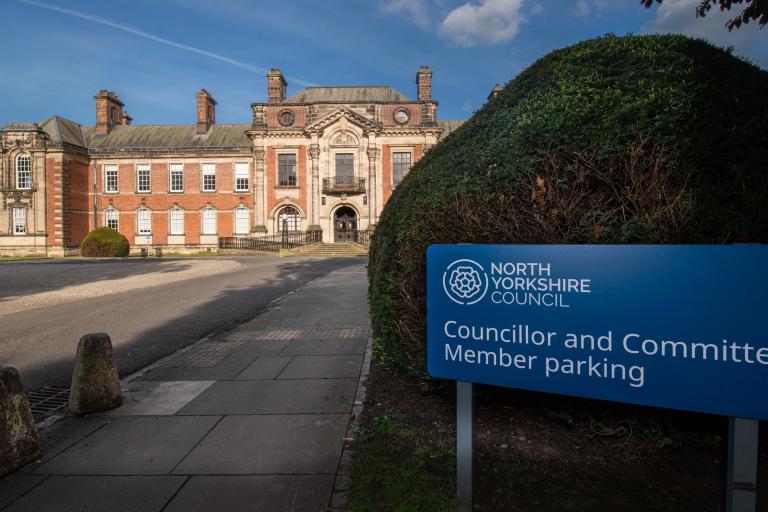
[637, 139]
[104, 243]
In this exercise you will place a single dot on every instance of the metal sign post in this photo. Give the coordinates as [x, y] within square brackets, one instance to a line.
[465, 453]
[742, 465]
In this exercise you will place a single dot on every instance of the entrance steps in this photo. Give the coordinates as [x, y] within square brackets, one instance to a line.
[337, 249]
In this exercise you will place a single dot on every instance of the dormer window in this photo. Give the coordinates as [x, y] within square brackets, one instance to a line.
[23, 172]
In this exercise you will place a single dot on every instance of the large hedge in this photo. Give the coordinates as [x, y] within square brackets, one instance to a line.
[637, 139]
[104, 242]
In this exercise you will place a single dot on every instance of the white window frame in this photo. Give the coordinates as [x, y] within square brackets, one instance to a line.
[295, 176]
[174, 222]
[208, 169]
[294, 220]
[107, 171]
[143, 168]
[19, 214]
[144, 215]
[208, 215]
[395, 151]
[179, 169]
[111, 214]
[242, 172]
[242, 221]
[23, 172]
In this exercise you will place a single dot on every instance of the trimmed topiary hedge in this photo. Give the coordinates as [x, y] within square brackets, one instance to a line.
[104, 242]
[637, 139]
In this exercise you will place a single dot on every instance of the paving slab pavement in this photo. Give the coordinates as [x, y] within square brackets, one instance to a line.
[254, 419]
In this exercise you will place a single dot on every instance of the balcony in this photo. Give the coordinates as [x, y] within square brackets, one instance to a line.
[344, 185]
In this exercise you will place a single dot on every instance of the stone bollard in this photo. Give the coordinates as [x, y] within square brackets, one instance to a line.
[95, 382]
[19, 442]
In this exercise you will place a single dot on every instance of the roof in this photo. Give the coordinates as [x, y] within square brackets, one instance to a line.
[353, 94]
[179, 136]
[449, 125]
[63, 130]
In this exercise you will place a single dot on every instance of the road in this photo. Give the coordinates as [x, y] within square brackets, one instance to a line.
[150, 307]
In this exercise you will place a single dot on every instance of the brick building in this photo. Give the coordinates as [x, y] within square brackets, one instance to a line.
[325, 158]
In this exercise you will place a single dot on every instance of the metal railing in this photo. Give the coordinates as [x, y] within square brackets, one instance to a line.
[362, 237]
[347, 184]
[272, 243]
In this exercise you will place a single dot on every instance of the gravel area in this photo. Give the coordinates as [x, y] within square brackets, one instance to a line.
[160, 274]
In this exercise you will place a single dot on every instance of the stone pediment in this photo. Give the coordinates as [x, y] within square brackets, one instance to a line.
[343, 113]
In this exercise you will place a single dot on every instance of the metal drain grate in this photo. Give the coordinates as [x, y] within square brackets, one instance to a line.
[48, 400]
[299, 334]
[204, 355]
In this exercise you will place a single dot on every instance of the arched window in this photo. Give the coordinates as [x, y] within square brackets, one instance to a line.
[242, 221]
[144, 221]
[23, 171]
[209, 221]
[112, 219]
[289, 219]
[176, 218]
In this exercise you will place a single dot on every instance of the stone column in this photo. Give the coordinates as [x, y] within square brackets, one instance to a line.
[373, 157]
[259, 206]
[314, 155]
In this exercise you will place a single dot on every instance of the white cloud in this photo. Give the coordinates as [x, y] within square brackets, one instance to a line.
[581, 8]
[489, 22]
[415, 11]
[679, 17]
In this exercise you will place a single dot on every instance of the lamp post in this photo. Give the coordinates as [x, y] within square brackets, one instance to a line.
[284, 218]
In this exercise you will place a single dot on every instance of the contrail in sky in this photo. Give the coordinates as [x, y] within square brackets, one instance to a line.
[152, 37]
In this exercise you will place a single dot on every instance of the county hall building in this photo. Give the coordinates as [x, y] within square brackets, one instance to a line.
[326, 158]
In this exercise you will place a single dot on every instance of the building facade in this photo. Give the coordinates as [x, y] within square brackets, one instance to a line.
[326, 158]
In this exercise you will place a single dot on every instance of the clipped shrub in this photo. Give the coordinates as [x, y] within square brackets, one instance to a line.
[637, 139]
[104, 242]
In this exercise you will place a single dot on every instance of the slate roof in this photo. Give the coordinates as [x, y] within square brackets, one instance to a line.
[174, 136]
[63, 130]
[352, 94]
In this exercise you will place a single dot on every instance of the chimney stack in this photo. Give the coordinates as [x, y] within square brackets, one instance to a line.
[126, 118]
[424, 83]
[206, 111]
[495, 91]
[109, 111]
[276, 86]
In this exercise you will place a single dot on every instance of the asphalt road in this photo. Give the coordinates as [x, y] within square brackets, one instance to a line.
[147, 322]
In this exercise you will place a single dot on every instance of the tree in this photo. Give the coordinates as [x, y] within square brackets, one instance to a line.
[754, 10]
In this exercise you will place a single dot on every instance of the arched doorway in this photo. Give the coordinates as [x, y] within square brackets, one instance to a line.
[344, 224]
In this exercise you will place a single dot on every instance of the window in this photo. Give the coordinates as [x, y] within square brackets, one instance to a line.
[143, 183]
[286, 170]
[209, 221]
[289, 219]
[144, 223]
[19, 221]
[241, 177]
[242, 221]
[177, 178]
[401, 164]
[345, 167]
[177, 221]
[23, 171]
[110, 178]
[209, 177]
[112, 218]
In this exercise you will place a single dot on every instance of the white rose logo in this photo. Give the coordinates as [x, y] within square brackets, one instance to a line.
[465, 282]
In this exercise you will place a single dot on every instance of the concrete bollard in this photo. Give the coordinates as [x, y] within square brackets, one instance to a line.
[19, 442]
[95, 381]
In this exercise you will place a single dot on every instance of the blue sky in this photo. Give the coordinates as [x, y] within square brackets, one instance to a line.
[156, 54]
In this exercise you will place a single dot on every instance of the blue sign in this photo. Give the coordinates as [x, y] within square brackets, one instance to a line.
[677, 326]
